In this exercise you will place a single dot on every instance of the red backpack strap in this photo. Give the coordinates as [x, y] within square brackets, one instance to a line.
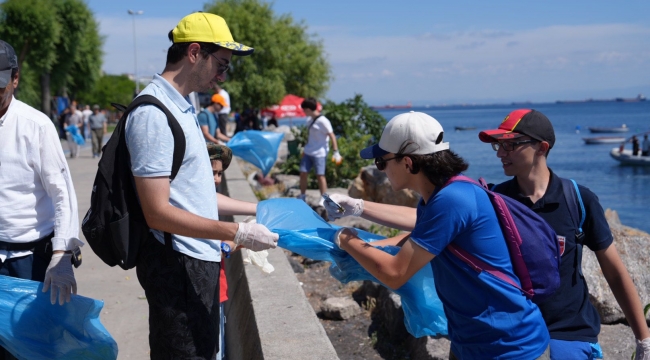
[479, 265]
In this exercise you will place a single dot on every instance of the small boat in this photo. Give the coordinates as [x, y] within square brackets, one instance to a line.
[625, 157]
[462, 128]
[598, 130]
[603, 140]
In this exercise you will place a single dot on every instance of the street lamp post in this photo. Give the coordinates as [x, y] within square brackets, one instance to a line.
[135, 51]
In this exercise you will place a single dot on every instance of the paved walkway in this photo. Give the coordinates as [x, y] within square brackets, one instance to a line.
[125, 312]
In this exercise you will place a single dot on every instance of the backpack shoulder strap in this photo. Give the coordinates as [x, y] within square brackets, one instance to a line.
[575, 205]
[179, 149]
[313, 122]
[177, 130]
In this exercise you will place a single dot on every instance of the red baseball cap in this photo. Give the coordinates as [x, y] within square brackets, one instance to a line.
[522, 122]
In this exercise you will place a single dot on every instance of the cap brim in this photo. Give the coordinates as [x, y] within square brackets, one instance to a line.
[237, 48]
[489, 136]
[5, 78]
[372, 152]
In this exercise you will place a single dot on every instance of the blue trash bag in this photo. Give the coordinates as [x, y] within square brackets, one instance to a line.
[259, 148]
[305, 232]
[76, 136]
[32, 328]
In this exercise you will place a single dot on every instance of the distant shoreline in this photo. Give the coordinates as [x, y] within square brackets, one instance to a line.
[409, 106]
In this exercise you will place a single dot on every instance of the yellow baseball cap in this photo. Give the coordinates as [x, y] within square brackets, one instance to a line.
[209, 28]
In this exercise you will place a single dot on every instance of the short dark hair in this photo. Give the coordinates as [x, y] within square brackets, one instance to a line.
[14, 73]
[309, 103]
[438, 167]
[177, 51]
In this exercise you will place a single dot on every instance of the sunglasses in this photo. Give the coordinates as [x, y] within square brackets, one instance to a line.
[510, 146]
[381, 162]
[221, 68]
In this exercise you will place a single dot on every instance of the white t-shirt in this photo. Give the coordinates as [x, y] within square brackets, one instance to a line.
[318, 142]
[86, 114]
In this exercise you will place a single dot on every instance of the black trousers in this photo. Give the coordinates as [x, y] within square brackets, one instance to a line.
[183, 297]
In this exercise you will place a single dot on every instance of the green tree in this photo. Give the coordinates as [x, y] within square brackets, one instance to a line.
[58, 40]
[78, 51]
[287, 60]
[109, 89]
[32, 29]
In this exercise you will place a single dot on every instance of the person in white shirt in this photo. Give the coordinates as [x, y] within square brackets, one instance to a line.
[39, 221]
[315, 151]
[645, 146]
[86, 115]
[224, 113]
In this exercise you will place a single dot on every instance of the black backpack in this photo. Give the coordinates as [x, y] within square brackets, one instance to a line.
[115, 226]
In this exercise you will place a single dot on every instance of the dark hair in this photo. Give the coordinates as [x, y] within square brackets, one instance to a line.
[309, 103]
[177, 51]
[437, 167]
[14, 72]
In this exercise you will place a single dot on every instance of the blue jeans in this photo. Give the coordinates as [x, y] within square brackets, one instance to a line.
[308, 162]
[575, 350]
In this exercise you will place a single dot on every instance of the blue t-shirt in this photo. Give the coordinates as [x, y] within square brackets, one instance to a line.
[488, 318]
[207, 118]
[151, 146]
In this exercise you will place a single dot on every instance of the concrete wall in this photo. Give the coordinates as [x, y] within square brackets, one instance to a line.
[267, 315]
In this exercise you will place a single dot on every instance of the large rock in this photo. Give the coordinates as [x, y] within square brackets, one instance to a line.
[339, 308]
[373, 185]
[633, 247]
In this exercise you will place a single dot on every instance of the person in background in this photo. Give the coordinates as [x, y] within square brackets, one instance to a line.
[182, 285]
[645, 146]
[86, 128]
[488, 318]
[39, 220]
[99, 127]
[220, 157]
[635, 146]
[522, 143]
[73, 123]
[320, 132]
[208, 120]
[224, 113]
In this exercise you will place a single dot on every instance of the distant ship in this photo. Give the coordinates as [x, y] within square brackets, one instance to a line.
[639, 98]
[390, 106]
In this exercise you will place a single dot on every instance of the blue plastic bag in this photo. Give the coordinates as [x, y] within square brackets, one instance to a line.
[259, 148]
[32, 328]
[76, 136]
[305, 232]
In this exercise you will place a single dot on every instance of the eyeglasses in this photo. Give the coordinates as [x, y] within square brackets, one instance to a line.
[381, 162]
[510, 146]
[221, 68]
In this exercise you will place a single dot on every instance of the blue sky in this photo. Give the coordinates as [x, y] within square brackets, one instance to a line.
[432, 52]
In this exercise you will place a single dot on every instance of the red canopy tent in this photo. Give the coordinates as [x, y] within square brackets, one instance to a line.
[288, 107]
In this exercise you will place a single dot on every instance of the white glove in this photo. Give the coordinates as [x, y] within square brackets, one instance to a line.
[338, 232]
[259, 258]
[642, 349]
[255, 237]
[351, 206]
[60, 277]
[337, 158]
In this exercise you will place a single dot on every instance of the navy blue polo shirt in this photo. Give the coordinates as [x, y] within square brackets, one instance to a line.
[569, 315]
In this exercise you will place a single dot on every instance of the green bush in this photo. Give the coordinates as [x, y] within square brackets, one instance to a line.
[356, 126]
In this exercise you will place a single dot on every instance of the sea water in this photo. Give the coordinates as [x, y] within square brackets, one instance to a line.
[625, 189]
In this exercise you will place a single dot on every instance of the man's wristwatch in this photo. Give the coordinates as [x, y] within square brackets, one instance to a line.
[225, 249]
